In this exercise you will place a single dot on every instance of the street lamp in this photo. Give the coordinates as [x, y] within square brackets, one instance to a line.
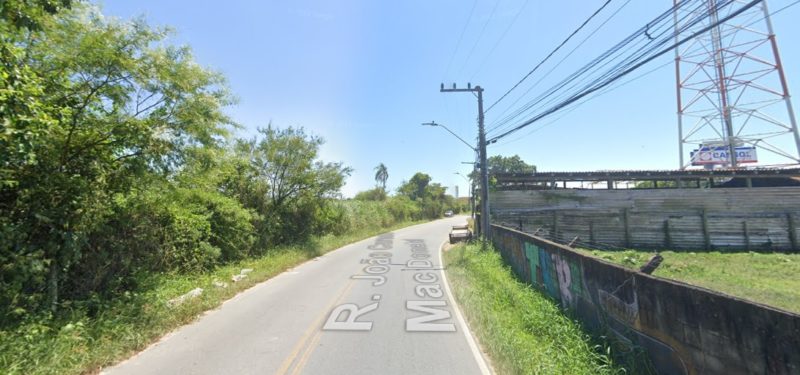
[432, 123]
[472, 193]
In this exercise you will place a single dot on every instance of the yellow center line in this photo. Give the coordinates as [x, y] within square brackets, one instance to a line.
[314, 328]
[307, 354]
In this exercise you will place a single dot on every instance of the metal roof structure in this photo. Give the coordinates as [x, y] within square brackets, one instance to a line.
[687, 176]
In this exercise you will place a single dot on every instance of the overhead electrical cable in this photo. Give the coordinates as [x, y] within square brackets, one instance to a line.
[592, 66]
[502, 36]
[773, 13]
[660, 47]
[630, 59]
[584, 100]
[497, 124]
[641, 52]
[596, 64]
[460, 38]
[480, 36]
[550, 54]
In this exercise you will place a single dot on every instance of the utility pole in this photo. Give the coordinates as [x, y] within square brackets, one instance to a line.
[484, 224]
[471, 190]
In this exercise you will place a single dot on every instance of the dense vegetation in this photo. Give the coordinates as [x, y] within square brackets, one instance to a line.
[522, 330]
[117, 161]
[133, 320]
[418, 198]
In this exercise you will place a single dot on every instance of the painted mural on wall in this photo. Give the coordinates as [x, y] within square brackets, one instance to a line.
[562, 279]
[660, 317]
[556, 275]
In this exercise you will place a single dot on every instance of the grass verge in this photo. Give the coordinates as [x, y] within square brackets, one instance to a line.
[523, 331]
[768, 278]
[125, 326]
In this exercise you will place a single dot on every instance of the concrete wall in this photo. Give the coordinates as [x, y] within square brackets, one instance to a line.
[732, 218]
[685, 329]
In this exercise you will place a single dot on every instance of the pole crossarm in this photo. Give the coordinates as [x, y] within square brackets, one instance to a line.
[484, 223]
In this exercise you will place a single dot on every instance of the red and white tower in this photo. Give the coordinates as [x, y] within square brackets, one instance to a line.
[733, 101]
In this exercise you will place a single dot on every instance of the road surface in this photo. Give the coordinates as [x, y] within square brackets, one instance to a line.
[379, 306]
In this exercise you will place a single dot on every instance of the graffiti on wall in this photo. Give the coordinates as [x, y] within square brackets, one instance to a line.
[514, 255]
[617, 308]
[562, 278]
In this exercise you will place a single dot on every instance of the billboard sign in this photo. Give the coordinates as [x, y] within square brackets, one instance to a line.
[720, 155]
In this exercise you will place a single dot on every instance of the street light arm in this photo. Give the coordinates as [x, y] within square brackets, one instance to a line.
[451, 132]
[465, 177]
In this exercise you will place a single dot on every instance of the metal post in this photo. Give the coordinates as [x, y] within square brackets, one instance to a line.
[719, 60]
[784, 85]
[678, 88]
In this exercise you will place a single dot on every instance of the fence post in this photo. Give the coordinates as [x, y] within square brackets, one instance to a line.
[792, 233]
[627, 227]
[667, 236]
[706, 236]
[555, 225]
[746, 236]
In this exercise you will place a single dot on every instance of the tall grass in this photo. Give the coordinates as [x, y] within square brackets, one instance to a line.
[523, 331]
[768, 278]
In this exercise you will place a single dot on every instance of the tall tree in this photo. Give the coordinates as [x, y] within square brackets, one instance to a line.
[297, 184]
[509, 164]
[416, 187]
[381, 175]
[102, 107]
[502, 164]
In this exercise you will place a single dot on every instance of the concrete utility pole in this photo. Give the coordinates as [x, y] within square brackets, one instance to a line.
[471, 194]
[484, 225]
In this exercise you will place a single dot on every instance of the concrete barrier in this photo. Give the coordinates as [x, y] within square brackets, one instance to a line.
[685, 329]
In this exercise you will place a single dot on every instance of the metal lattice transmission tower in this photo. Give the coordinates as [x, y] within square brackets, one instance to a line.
[733, 100]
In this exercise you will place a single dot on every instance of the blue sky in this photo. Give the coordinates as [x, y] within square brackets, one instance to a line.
[364, 74]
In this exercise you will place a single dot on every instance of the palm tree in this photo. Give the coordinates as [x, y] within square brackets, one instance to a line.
[381, 175]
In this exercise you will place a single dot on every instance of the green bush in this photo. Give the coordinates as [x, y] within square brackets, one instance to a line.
[231, 228]
[376, 194]
[162, 230]
[403, 208]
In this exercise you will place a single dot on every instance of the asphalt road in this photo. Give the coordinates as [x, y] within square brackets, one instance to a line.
[379, 306]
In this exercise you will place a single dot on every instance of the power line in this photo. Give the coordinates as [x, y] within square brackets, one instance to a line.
[480, 35]
[598, 63]
[637, 61]
[595, 95]
[551, 53]
[608, 57]
[502, 122]
[458, 44]
[497, 43]
[772, 13]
